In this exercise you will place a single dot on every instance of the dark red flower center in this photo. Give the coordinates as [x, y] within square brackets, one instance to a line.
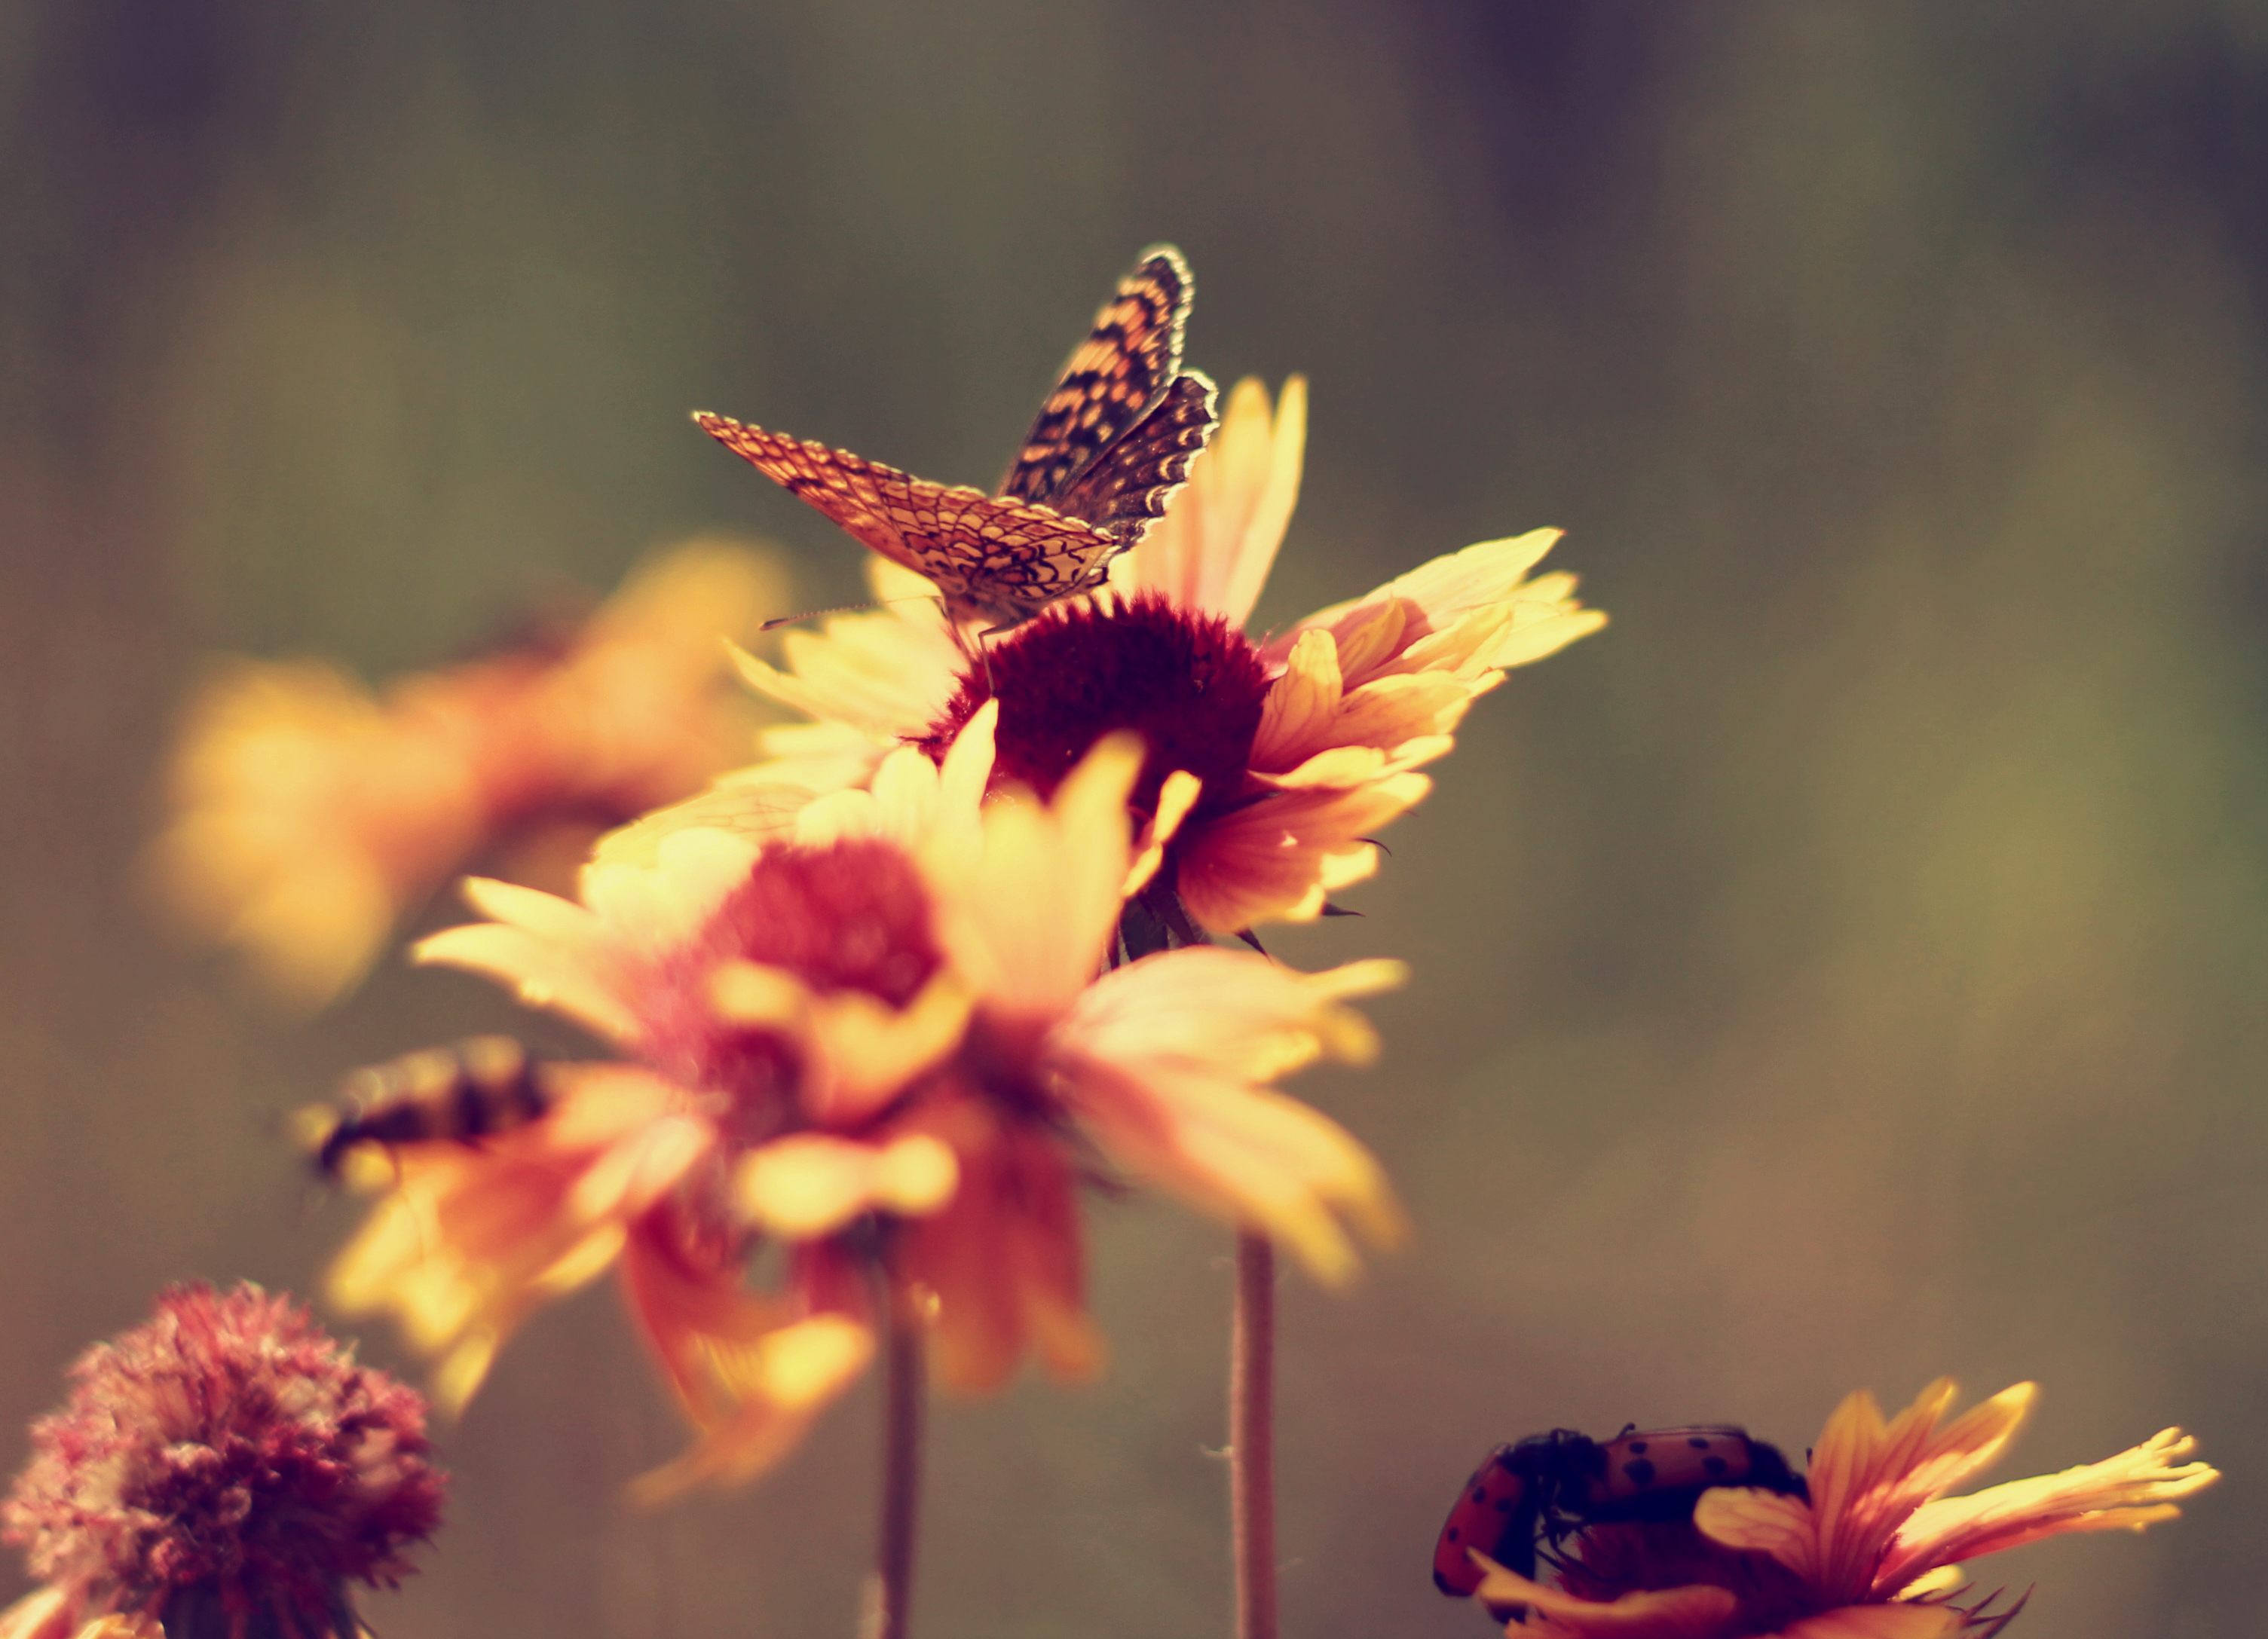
[1189, 684]
[852, 916]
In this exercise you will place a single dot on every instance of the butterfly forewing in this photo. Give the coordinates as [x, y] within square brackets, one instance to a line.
[1114, 379]
[998, 560]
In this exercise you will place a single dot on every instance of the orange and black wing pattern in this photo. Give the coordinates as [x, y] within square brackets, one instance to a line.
[1131, 484]
[1114, 440]
[1115, 436]
[998, 560]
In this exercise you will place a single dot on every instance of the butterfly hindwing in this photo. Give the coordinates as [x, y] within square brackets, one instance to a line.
[1114, 379]
[1129, 485]
[995, 559]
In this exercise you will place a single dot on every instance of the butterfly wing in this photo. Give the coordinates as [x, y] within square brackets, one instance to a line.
[1129, 485]
[1115, 378]
[999, 560]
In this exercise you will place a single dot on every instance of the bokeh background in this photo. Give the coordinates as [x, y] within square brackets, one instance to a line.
[1846, 968]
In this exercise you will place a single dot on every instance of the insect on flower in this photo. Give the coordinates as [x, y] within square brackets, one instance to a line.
[1868, 1544]
[466, 1091]
[1272, 762]
[1113, 440]
[1549, 1486]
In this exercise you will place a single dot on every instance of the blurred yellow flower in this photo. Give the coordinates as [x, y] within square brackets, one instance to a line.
[866, 1025]
[308, 816]
[1876, 1551]
[1270, 764]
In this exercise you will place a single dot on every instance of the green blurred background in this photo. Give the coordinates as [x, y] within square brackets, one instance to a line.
[1846, 968]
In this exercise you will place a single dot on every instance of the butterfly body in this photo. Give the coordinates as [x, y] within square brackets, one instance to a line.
[1112, 441]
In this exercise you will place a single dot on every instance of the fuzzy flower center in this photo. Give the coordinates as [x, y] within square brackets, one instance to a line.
[1189, 684]
[852, 916]
[227, 1455]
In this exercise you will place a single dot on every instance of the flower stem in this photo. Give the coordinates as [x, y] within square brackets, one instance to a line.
[903, 1393]
[1252, 1436]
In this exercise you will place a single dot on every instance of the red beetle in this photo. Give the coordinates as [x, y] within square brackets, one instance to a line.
[1551, 1485]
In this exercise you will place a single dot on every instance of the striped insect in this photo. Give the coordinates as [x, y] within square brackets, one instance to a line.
[463, 1093]
[1113, 440]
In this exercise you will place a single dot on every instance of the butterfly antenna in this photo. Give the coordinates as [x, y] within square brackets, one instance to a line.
[840, 608]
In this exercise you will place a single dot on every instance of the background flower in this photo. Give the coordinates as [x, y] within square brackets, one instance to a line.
[308, 816]
[224, 1467]
[1877, 1551]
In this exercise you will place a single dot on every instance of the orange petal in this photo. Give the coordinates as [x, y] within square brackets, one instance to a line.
[2122, 1493]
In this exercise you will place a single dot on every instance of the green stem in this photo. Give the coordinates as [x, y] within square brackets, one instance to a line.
[1252, 1436]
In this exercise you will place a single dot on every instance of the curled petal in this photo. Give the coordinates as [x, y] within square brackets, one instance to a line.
[1175, 799]
[1439, 592]
[1283, 855]
[1379, 633]
[1760, 1522]
[1302, 703]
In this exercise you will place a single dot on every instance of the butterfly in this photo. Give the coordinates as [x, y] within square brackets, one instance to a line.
[1113, 440]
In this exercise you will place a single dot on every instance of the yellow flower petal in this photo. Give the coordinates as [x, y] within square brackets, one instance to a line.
[1176, 797]
[780, 1381]
[811, 1183]
[1699, 1612]
[541, 974]
[1218, 537]
[2130, 1491]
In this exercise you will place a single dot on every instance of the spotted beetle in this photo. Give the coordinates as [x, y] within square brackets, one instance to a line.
[1551, 1485]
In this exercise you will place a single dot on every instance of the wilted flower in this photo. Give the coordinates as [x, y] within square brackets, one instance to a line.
[866, 1026]
[224, 1471]
[309, 815]
[1874, 1554]
[1270, 763]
